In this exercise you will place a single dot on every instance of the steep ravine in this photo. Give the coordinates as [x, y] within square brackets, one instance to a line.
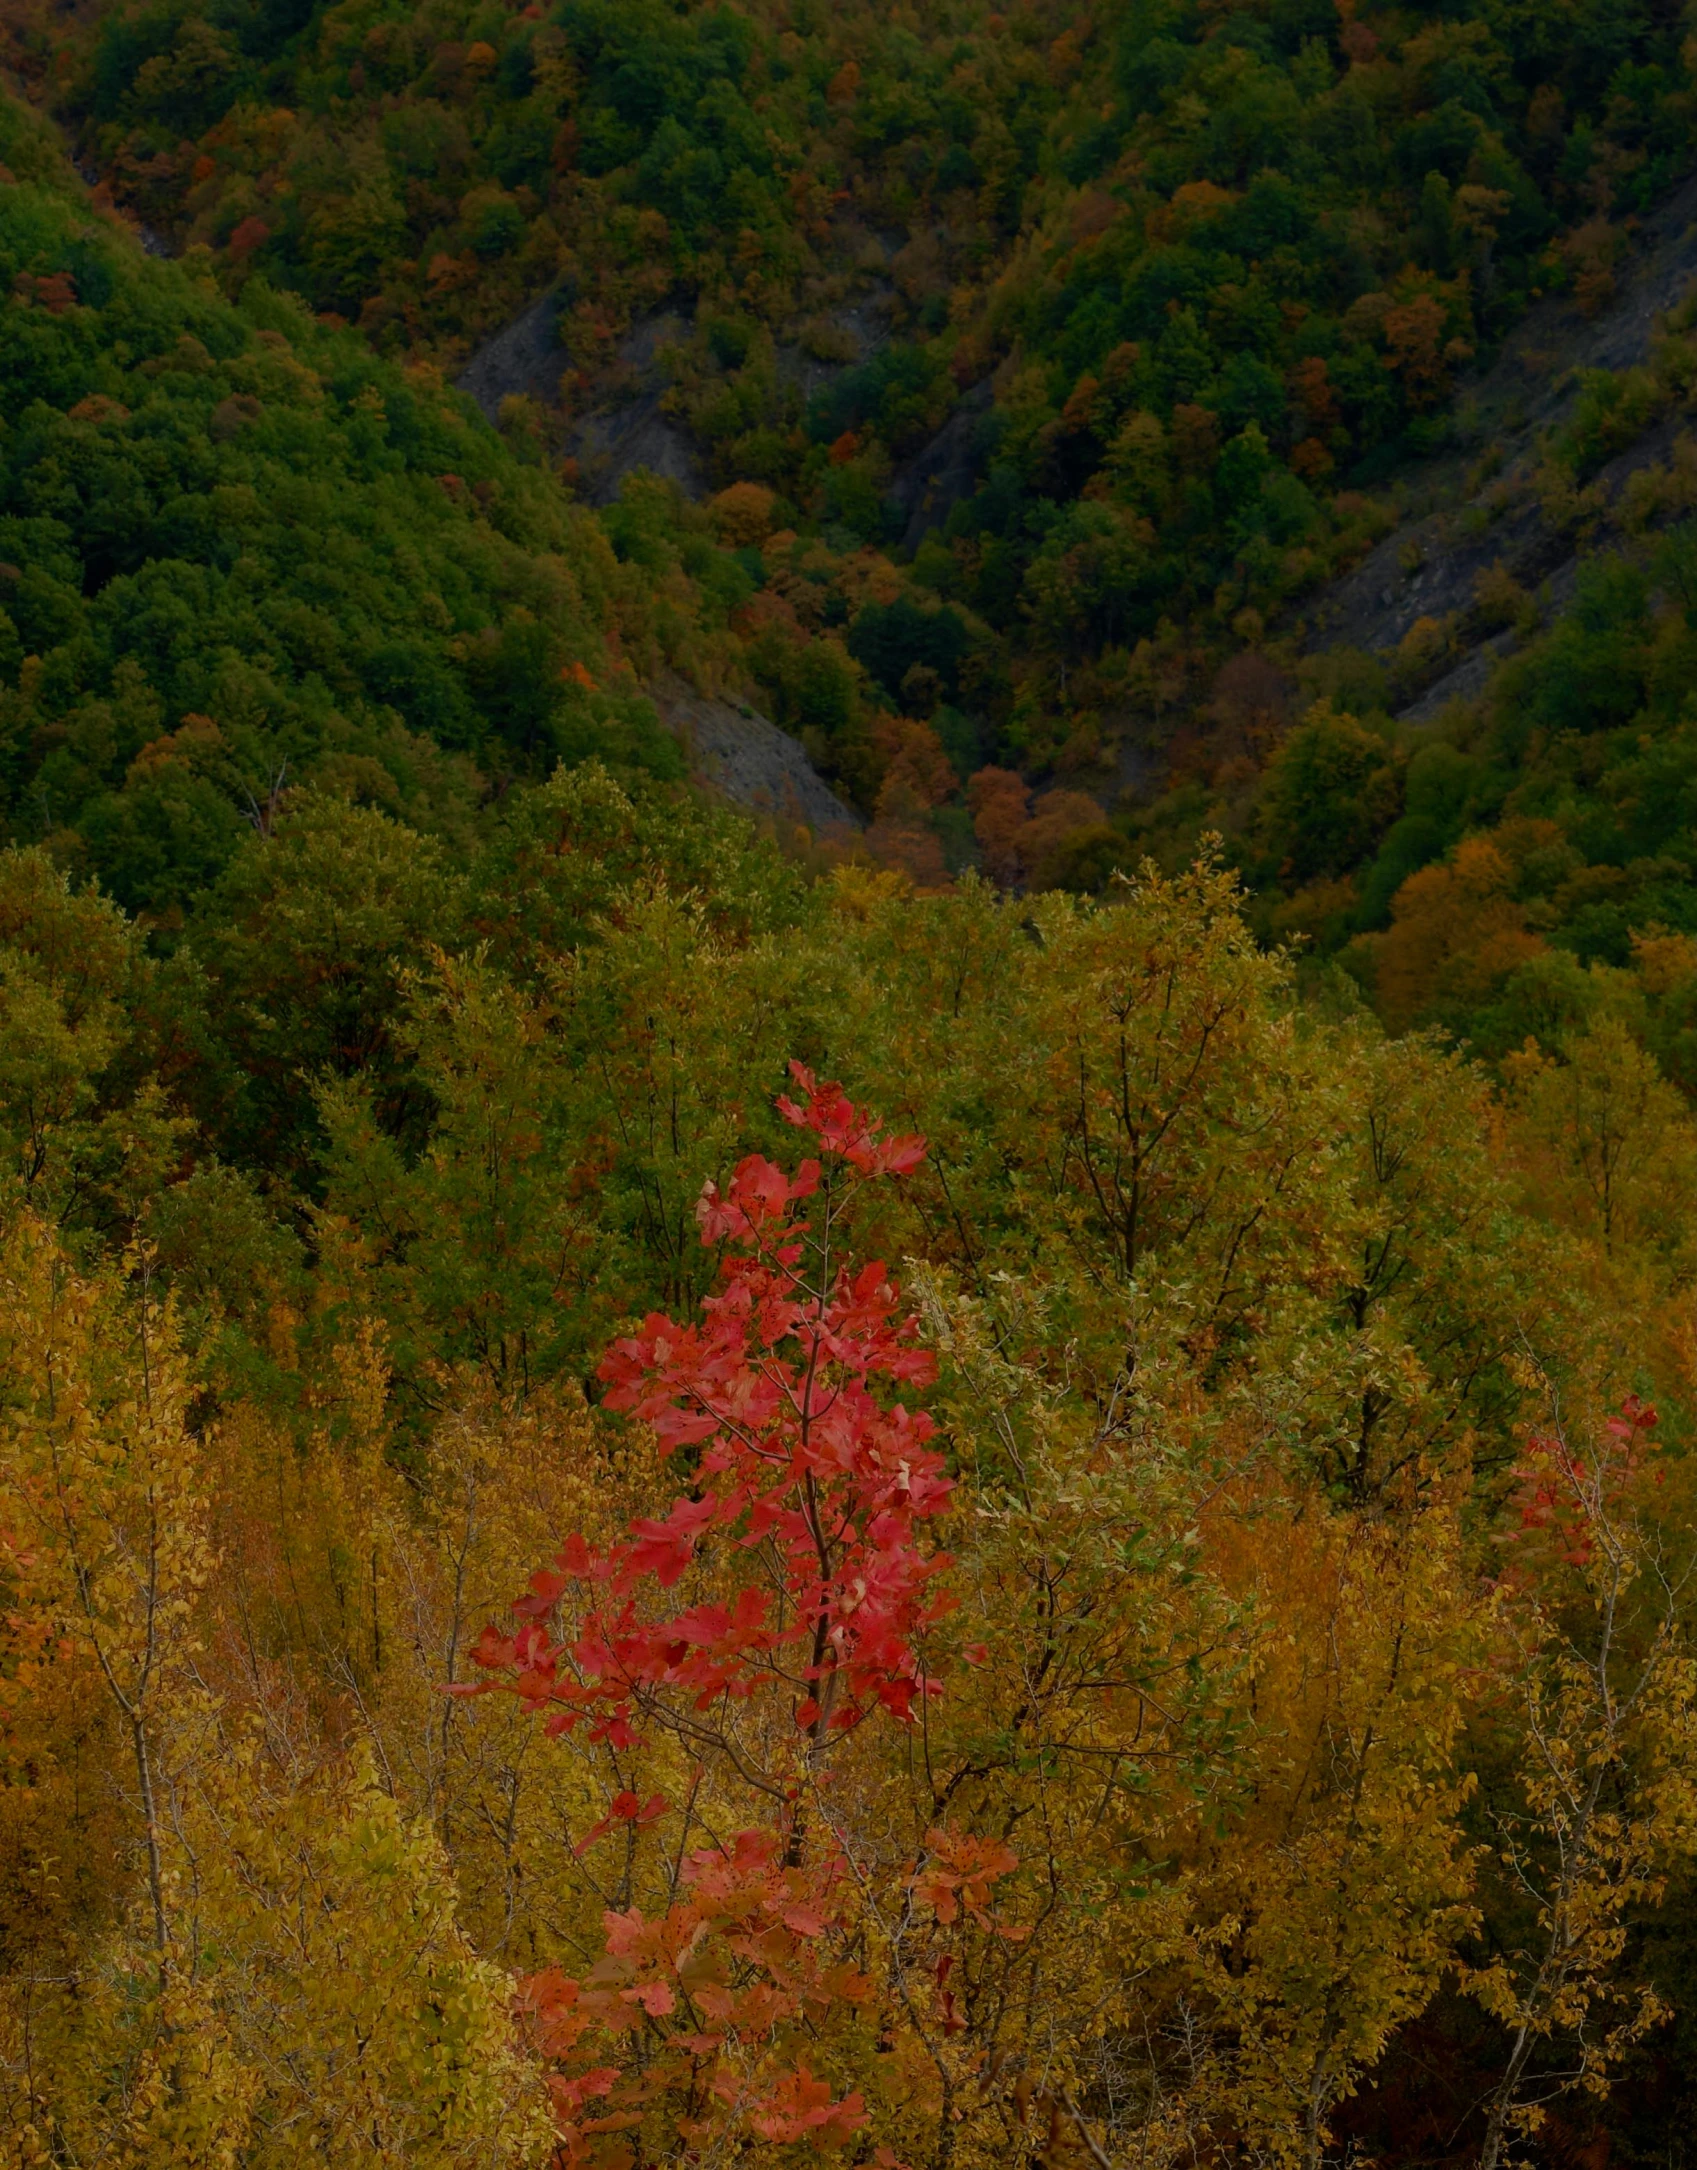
[732, 749]
[1477, 506]
[1473, 509]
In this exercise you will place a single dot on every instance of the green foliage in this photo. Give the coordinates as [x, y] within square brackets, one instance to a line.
[235, 553]
[1202, 270]
[1532, 858]
[413, 999]
[1329, 794]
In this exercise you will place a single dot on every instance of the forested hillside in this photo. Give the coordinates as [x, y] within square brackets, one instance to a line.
[1041, 369]
[1114, 1588]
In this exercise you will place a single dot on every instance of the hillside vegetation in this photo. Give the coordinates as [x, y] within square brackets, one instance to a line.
[1224, 271]
[1114, 1588]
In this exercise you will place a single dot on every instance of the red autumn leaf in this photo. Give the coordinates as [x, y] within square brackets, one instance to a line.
[801, 2107]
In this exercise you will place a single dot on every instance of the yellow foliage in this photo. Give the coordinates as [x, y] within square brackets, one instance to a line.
[743, 514]
[1260, 1725]
[1455, 930]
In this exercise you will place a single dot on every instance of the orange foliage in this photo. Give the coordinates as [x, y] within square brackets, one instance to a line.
[1414, 333]
[1591, 252]
[1313, 390]
[917, 778]
[1455, 930]
[917, 774]
[743, 514]
[1058, 819]
[1310, 459]
[1000, 803]
[1022, 845]
[909, 848]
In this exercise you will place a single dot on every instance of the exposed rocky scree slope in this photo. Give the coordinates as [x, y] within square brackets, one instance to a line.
[735, 750]
[732, 748]
[1477, 506]
[1472, 509]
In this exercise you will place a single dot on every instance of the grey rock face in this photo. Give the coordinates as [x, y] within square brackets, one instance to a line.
[613, 438]
[934, 481]
[1457, 527]
[524, 357]
[743, 755]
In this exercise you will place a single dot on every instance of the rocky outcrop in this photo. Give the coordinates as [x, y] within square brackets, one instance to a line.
[525, 357]
[930, 485]
[742, 755]
[628, 427]
[626, 430]
[1477, 507]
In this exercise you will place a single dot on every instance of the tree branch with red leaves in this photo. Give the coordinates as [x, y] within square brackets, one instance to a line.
[799, 1540]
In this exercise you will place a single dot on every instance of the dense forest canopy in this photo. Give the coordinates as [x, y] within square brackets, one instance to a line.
[1182, 291]
[1114, 1587]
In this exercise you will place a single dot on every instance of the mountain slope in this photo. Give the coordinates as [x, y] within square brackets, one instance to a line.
[237, 552]
[1224, 265]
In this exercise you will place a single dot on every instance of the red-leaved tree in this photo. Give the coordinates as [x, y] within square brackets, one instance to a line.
[798, 1542]
[1596, 1605]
